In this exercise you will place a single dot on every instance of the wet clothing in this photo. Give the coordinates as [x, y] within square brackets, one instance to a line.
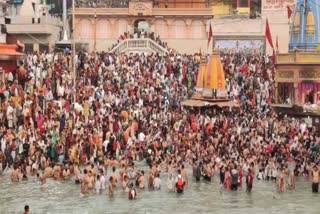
[315, 187]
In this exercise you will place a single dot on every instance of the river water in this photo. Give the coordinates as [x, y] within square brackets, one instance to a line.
[64, 197]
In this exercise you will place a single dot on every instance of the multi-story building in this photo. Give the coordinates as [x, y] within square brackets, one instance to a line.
[242, 23]
[297, 87]
[100, 23]
[9, 54]
[177, 22]
[30, 22]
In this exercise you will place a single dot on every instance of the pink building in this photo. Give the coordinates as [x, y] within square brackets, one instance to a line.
[181, 22]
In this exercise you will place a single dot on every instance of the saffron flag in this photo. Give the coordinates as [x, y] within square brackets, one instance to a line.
[318, 47]
[268, 34]
[210, 35]
[289, 11]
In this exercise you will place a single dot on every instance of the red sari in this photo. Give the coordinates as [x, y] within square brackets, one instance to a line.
[227, 180]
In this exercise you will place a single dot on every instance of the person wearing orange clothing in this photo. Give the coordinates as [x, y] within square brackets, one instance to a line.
[124, 114]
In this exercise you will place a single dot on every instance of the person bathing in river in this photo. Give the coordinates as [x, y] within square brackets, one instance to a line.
[15, 174]
[249, 180]
[315, 179]
[111, 186]
[179, 182]
[132, 192]
[43, 178]
[98, 185]
[170, 183]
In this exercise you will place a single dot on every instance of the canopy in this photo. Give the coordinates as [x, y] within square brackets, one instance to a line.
[8, 52]
[201, 103]
[196, 103]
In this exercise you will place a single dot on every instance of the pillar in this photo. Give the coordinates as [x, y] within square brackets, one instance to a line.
[64, 16]
[295, 94]
[276, 100]
[152, 27]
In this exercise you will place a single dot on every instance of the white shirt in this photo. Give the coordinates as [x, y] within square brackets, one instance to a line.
[157, 183]
[98, 186]
[10, 113]
[105, 144]
[141, 136]
[10, 77]
[103, 182]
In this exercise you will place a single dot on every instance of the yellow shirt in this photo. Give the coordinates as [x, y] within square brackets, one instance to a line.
[86, 107]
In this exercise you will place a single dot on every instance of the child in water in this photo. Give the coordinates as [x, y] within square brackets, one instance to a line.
[132, 192]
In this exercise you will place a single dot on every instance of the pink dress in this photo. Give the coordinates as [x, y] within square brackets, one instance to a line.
[240, 178]
[227, 180]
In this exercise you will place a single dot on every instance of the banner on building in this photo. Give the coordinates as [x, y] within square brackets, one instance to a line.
[277, 4]
[241, 46]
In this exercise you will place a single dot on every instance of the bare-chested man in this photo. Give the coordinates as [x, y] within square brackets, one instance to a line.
[66, 173]
[315, 179]
[43, 178]
[90, 180]
[56, 172]
[184, 174]
[48, 171]
[84, 183]
[114, 176]
[15, 175]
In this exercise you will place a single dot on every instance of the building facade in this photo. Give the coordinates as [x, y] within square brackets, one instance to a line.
[243, 22]
[181, 22]
[177, 25]
[297, 84]
[30, 22]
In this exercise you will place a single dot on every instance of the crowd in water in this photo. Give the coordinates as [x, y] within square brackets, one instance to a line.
[126, 108]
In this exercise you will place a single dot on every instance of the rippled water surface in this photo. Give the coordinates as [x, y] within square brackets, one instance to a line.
[64, 197]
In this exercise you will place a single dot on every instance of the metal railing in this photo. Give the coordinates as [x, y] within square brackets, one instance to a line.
[139, 45]
[156, 3]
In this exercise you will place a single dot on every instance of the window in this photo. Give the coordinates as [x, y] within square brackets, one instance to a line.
[285, 93]
[28, 48]
[255, 9]
[243, 3]
[44, 47]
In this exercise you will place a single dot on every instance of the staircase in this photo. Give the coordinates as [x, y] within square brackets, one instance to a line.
[139, 45]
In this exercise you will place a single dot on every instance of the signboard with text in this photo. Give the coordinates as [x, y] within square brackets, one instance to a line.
[277, 4]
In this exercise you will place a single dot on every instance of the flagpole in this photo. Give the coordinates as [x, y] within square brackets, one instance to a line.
[73, 54]
[210, 37]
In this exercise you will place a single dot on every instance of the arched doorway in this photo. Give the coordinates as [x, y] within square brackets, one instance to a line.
[141, 25]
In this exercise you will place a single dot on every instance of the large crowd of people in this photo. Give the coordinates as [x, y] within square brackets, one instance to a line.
[126, 108]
